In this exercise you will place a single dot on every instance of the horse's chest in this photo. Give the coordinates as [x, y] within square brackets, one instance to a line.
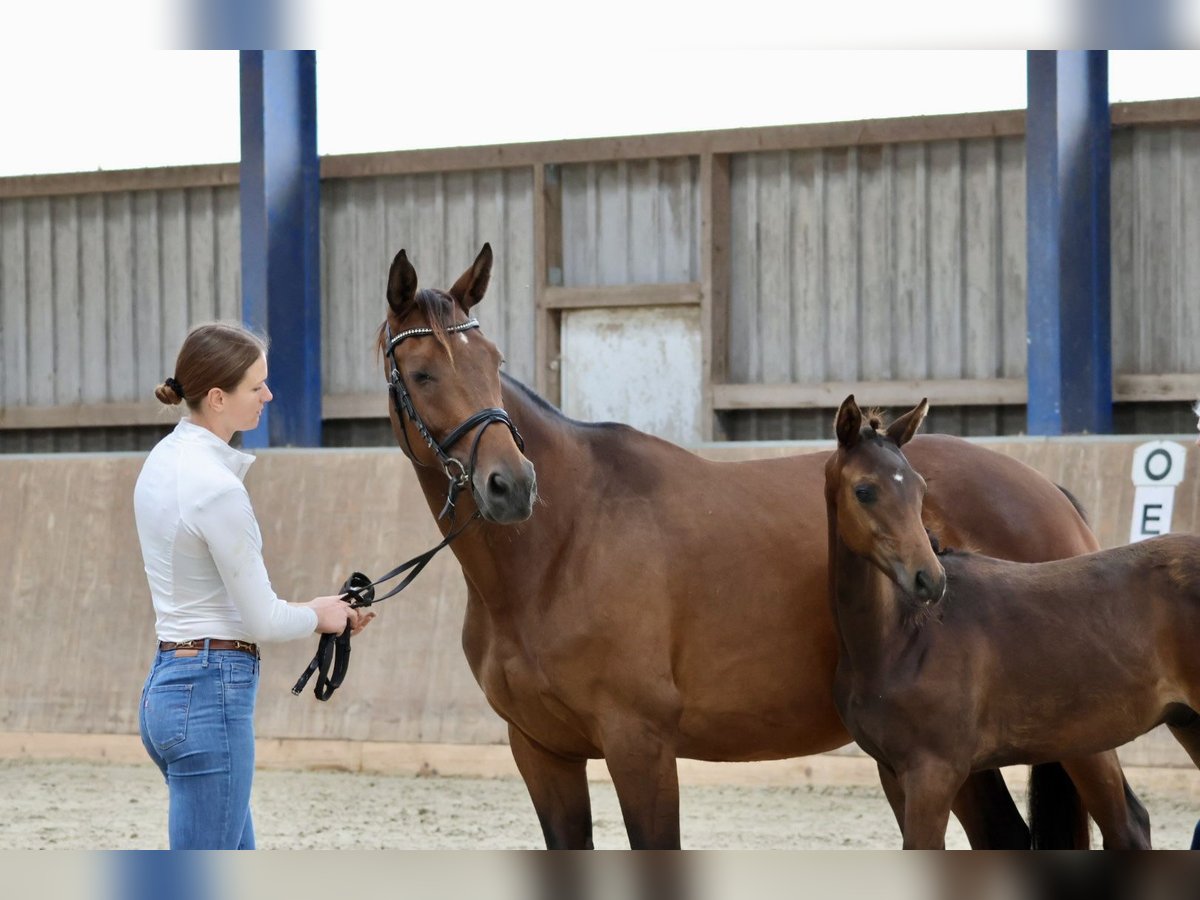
[526, 695]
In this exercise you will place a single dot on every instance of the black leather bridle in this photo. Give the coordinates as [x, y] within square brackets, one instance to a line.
[333, 651]
[458, 474]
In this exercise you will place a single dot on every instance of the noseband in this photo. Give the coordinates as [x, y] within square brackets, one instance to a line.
[458, 474]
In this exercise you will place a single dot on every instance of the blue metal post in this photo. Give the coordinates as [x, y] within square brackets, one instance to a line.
[1067, 159]
[280, 204]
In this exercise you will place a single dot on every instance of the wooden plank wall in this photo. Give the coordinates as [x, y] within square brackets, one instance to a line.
[77, 598]
[887, 253]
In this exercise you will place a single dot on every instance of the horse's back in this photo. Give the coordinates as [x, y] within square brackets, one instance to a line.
[983, 500]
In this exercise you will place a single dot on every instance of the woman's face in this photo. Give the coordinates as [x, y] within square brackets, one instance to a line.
[244, 405]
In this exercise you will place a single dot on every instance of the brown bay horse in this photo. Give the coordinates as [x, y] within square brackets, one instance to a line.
[952, 663]
[631, 601]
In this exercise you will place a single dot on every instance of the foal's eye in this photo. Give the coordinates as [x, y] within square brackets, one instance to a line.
[865, 493]
[422, 377]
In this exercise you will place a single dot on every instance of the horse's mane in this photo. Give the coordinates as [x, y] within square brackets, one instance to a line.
[549, 408]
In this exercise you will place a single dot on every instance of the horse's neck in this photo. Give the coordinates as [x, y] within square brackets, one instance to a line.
[505, 561]
[867, 617]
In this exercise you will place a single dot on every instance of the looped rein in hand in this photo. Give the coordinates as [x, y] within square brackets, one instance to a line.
[332, 659]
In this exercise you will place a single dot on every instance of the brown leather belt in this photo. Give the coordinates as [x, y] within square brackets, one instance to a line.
[213, 644]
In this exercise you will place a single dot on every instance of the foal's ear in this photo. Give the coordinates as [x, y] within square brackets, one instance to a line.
[902, 430]
[402, 284]
[471, 285]
[848, 424]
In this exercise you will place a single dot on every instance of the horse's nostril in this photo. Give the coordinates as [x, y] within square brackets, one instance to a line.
[498, 485]
[924, 584]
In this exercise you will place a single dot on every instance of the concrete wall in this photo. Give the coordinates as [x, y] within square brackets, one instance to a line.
[79, 629]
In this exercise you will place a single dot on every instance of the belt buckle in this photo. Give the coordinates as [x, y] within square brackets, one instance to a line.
[246, 646]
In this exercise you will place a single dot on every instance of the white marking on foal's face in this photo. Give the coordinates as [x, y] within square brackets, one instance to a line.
[462, 337]
[898, 477]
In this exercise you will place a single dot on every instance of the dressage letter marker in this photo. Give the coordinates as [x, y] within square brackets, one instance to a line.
[1157, 469]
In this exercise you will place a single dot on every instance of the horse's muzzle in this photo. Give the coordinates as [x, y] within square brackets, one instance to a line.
[504, 495]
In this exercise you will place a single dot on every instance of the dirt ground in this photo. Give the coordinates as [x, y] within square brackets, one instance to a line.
[86, 805]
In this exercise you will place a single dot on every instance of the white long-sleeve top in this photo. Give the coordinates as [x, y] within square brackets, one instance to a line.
[202, 547]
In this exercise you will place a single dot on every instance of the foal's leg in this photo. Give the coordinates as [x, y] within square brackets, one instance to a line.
[989, 817]
[646, 779]
[929, 787]
[891, 790]
[559, 790]
[1120, 816]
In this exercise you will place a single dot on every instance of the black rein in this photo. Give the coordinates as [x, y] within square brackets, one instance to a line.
[332, 658]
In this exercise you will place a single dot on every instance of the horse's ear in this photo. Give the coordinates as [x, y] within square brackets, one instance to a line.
[848, 424]
[402, 284]
[902, 430]
[472, 284]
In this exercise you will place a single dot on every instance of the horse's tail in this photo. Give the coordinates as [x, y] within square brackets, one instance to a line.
[1057, 819]
[1075, 503]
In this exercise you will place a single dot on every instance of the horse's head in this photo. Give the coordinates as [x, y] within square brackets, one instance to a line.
[445, 383]
[877, 498]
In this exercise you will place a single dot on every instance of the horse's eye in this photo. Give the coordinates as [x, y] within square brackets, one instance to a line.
[422, 377]
[865, 493]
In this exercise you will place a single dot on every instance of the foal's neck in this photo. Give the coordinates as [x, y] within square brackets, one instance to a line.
[867, 615]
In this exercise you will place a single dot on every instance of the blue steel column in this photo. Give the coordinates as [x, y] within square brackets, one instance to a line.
[1067, 159]
[280, 204]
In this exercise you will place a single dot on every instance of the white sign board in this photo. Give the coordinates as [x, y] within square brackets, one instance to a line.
[1157, 470]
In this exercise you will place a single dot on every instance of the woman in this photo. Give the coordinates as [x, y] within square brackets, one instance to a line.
[213, 601]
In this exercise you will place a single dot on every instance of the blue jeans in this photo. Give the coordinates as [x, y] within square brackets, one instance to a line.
[197, 724]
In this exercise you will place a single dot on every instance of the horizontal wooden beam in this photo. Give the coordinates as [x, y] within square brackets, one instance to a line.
[941, 392]
[955, 126]
[683, 294]
[830, 394]
[372, 405]
[87, 415]
[1170, 388]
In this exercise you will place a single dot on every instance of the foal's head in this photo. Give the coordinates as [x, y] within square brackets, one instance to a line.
[446, 373]
[877, 499]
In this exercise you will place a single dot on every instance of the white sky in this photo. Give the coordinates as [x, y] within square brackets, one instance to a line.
[76, 109]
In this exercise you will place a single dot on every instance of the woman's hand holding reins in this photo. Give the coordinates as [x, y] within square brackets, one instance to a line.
[333, 613]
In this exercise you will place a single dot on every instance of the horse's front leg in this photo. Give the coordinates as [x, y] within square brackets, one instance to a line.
[929, 785]
[559, 790]
[642, 764]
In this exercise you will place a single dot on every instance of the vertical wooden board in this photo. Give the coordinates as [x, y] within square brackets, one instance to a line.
[945, 259]
[645, 240]
[1187, 246]
[774, 324]
[1013, 271]
[611, 235]
[877, 347]
[335, 298]
[159, 279]
[14, 305]
[460, 229]
[119, 293]
[744, 359]
[1123, 215]
[517, 306]
[810, 319]
[678, 215]
[1152, 196]
[366, 263]
[39, 229]
[841, 261]
[578, 217]
[64, 216]
[201, 256]
[93, 362]
[430, 254]
[911, 235]
[228, 277]
[488, 197]
[981, 253]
